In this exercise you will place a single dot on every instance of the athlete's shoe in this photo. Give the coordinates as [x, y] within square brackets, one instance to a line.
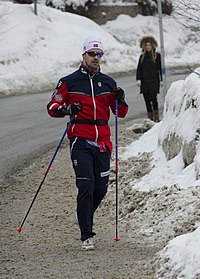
[87, 244]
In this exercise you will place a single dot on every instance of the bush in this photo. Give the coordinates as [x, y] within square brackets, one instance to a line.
[83, 7]
[149, 7]
[23, 1]
[167, 7]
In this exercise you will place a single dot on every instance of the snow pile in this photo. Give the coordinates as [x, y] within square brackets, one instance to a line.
[180, 129]
[37, 50]
[183, 50]
[159, 183]
[174, 142]
[180, 258]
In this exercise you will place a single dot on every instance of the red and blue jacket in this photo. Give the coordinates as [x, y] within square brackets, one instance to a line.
[95, 93]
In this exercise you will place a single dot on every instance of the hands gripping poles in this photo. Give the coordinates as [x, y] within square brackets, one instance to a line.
[116, 167]
[46, 172]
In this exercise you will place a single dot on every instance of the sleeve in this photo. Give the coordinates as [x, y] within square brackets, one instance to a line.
[159, 66]
[139, 69]
[58, 100]
[122, 107]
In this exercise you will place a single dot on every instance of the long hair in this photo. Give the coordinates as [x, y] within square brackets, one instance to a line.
[152, 53]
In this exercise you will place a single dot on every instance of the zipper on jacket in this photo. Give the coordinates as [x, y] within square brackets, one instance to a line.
[95, 111]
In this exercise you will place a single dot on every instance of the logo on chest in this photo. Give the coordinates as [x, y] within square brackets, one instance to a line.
[99, 84]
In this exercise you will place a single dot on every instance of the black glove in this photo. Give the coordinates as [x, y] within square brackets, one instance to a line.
[72, 109]
[119, 94]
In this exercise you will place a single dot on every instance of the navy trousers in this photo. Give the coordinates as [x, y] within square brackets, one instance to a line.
[92, 169]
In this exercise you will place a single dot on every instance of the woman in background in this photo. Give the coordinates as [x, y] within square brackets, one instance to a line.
[149, 75]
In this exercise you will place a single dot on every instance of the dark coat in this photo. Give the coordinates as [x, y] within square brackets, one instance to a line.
[95, 93]
[150, 74]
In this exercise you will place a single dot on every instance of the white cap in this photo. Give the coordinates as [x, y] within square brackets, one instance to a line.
[92, 43]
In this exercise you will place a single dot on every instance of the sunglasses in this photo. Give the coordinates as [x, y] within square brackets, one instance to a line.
[99, 54]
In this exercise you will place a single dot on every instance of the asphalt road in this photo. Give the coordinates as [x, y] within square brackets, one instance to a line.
[26, 130]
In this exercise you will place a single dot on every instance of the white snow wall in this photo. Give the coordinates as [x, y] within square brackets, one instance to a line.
[180, 129]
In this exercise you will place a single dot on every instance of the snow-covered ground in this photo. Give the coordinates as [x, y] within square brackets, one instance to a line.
[164, 174]
[180, 45]
[37, 50]
[180, 258]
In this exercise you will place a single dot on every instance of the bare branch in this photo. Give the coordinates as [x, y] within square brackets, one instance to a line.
[188, 9]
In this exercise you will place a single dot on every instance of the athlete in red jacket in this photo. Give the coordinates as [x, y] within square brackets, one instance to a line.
[89, 95]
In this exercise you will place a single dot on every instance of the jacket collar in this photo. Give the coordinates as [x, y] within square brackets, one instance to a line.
[85, 70]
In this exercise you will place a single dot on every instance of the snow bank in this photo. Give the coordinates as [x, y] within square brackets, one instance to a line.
[174, 142]
[163, 171]
[180, 258]
[179, 137]
[183, 50]
[180, 128]
[182, 108]
[37, 50]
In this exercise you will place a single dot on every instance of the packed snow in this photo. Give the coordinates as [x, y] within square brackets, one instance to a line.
[183, 51]
[180, 123]
[164, 174]
[180, 258]
[37, 50]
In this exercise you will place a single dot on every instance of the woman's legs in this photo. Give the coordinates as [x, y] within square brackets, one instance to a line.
[148, 105]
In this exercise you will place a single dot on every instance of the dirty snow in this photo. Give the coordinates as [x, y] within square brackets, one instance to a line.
[160, 197]
[180, 258]
[181, 117]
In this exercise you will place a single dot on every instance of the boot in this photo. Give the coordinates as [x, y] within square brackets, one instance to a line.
[156, 116]
[150, 115]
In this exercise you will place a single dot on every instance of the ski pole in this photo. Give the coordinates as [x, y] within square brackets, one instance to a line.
[19, 229]
[116, 167]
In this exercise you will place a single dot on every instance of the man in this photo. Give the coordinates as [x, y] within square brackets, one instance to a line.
[87, 95]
